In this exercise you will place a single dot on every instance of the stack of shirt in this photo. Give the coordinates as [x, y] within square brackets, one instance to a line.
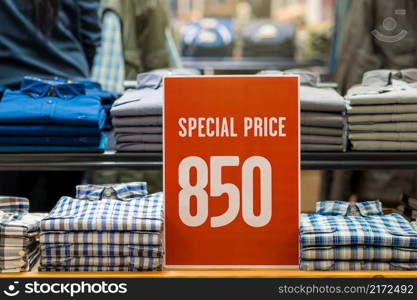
[19, 234]
[358, 236]
[137, 116]
[105, 228]
[51, 116]
[382, 112]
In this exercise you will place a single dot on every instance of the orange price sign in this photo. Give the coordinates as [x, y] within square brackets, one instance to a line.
[231, 171]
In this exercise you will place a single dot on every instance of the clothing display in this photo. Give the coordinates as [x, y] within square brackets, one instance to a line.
[356, 236]
[381, 113]
[114, 227]
[19, 233]
[52, 116]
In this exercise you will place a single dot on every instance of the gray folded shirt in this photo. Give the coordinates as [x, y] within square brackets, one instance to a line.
[140, 102]
[321, 139]
[321, 100]
[367, 95]
[383, 146]
[137, 121]
[321, 131]
[384, 118]
[332, 120]
[321, 147]
[382, 109]
[384, 136]
[138, 147]
[138, 138]
[138, 130]
[384, 127]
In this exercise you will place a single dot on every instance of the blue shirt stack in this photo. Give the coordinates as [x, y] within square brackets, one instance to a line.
[51, 116]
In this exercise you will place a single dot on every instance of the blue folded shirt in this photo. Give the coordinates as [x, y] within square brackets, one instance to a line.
[48, 130]
[50, 140]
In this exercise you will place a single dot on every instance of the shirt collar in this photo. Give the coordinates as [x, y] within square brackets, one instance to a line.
[342, 208]
[14, 204]
[122, 191]
[38, 88]
[149, 80]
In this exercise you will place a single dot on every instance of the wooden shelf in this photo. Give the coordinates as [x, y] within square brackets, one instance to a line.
[219, 273]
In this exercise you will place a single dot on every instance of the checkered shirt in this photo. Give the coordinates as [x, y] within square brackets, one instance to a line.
[135, 214]
[337, 208]
[328, 265]
[140, 263]
[10, 252]
[82, 250]
[101, 238]
[22, 264]
[97, 269]
[121, 191]
[358, 253]
[108, 66]
[373, 230]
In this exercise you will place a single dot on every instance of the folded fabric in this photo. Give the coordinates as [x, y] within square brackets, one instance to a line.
[139, 263]
[20, 262]
[384, 127]
[322, 119]
[321, 147]
[382, 109]
[139, 102]
[321, 100]
[48, 130]
[87, 268]
[51, 140]
[118, 191]
[383, 146]
[384, 136]
[85, 249]
[366, 253]
[366, 95]
[383, 118]
[137, 121]
[109, 238]
[25, 267]
[139, 138]
[328, 265]
[333, 225]
[20, 242]
[311, 130]
[17, 252]
[137, 214]
[138, 130]
[139, 147]
[55, 149]
[321, 139]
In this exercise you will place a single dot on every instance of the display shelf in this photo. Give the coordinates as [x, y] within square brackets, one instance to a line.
[153, 161]
[248, 64]
[219, 273]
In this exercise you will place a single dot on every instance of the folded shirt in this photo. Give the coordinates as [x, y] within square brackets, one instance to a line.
[321, 139]
[136, 214]
[338, 223]
[311, 130]
[56, 149]
[25, 266]
[48, 130]
[21, 262]
[92, 141]
[321, 100]
[17, 252]
[87, 268]
[138, 130]
[137, 121]
[367, 95]
[109, 238]
[382, 109]
[365, 253]
[139, 147]
[18, 242]
[382, 118]
[321, 147]
[332, 120]
[86, 249]
[384, 127]
[328, 265]
[384, 136]
[139, 263]
[139, 102]
[138, 138]
[383, 146]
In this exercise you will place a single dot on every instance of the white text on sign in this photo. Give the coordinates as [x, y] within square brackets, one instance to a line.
[217, 188]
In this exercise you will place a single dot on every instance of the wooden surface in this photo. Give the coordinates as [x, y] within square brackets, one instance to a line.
[220, 273]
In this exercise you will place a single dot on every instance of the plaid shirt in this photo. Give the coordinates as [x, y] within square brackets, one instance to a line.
[81, 250]
[327, 265]
[359, 253]
[96, 269]
[22, 264]
[101, 238]
[121, 191]
[338, 229]
[139, 263]
[133, 214]
[338, 208]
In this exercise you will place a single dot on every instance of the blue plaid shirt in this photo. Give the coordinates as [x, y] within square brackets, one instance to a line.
[354, 266]
[332, 226]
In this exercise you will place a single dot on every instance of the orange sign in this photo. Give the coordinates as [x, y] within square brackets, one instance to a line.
[231, 171]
